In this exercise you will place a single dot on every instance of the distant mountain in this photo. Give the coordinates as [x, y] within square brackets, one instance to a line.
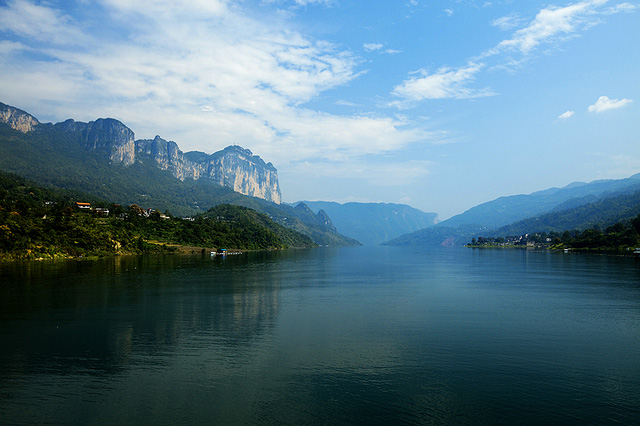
[373, 223]
[103, 159]
[436, 236]
[506, 210]
[487, 217]
[602, 213]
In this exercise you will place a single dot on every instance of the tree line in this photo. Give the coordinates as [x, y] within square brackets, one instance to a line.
[618, 237]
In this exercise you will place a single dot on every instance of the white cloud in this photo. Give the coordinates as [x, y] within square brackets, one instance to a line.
[370, 47]
[566, 115]
[444, 83]
[604, 103]
[448, 12]
[622, 7]
[40, 23]
[342, 102]
[377, 47]
[506, 23]
[550, 24]
[8, 47]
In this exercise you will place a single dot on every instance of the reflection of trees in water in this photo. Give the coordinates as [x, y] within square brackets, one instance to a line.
[62, 317]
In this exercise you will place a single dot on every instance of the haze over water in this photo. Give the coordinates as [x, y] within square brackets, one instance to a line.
[323, 336]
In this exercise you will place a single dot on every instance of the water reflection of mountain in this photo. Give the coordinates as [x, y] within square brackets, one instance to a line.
[100, 315]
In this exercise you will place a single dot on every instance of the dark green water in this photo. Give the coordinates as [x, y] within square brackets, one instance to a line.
[323, 336]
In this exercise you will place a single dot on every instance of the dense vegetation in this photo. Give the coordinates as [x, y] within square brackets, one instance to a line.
[36, 222]
[54, 158]
[621, 237]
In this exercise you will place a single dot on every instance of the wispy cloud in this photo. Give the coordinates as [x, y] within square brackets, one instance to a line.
[506, 23]
[550, 25]
[566, 115]
[442, 84]
[378, 47]
[370, 47]
[604, 104]
[39, 23]
[622, 7]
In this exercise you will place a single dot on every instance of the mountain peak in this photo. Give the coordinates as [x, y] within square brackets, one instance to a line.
[17, 119]
[104, 134]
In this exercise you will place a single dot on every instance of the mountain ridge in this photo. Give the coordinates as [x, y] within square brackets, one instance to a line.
[505, 211]
[234, 167]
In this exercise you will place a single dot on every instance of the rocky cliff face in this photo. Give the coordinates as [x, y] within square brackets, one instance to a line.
[234, 167]
[17, 119]
[105, 134]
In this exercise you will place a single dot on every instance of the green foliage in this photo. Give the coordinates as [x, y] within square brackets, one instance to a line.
[37, 222]
[620, 236]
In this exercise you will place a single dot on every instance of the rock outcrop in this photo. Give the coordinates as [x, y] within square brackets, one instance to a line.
[17, 119]
[105, 134]
[234, 167]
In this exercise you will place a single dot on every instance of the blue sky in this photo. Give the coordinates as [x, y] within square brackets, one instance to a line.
[438, 104]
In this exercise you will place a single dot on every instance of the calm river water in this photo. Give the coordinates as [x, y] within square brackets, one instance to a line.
[323, 336]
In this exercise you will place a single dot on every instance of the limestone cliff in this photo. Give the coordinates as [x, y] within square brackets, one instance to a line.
[105, 134]
[234, 167]
[17, 119]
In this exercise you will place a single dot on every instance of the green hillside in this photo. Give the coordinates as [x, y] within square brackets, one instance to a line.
[602, 213]
[38, 222]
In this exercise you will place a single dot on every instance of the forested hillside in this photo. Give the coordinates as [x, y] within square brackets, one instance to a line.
[602, 213]
[37, 222]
